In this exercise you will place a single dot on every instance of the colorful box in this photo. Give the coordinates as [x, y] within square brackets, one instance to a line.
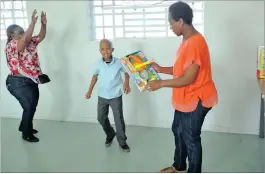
[261, 63]
[139, 69]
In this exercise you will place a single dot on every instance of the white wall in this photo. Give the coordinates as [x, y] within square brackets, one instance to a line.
[233, 30]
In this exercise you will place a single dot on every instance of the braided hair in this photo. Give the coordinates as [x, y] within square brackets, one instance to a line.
[9, 32]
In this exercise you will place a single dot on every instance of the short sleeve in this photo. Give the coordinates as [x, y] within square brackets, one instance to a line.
[96, 68]
[194, 52]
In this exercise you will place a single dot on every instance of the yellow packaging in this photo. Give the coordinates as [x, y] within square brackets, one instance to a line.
[261, 63]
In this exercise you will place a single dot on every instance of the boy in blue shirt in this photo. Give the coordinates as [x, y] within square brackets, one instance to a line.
[108, 72]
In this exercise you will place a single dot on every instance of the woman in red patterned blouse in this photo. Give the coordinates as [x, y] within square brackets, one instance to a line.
[23, 62]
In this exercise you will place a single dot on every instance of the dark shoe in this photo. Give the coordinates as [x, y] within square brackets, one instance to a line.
[34, 131]
[125, 148]
[109, 141]
[30, 138]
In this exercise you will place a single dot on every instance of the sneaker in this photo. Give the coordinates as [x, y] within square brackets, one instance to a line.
[30, 138]
[109, 141]
[125, 148]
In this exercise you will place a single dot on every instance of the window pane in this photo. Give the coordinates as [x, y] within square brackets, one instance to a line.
[17, 5]
[134, 29]
[19, 14]
[24, 4]
[107, 11]
[26, 23]
[155, 34]
[160, 22]
[134, 34]
[200, 28]
[97, 10]
[6, 14]
[118, 10]
[8, 22]
[119, 32]
[99, 21]
[7, 5]
[133, 16]
[129, 21]
[99, 33]
[3, 32]
[198, 5]
[198, 17]
[118, 20]
[20, 22]
[25, 13]
[138, 10]
[155, 28]
[108, 20]
[107, 2]
[108, 33]
[156, 9]
[159, 16]
[170, 33]
[97, 2]
[134, 22]
[2, 27]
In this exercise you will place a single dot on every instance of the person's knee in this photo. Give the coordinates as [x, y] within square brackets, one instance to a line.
[174, 129]
[100, 119]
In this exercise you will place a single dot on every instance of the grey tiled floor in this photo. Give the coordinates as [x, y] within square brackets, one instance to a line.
[79, 147]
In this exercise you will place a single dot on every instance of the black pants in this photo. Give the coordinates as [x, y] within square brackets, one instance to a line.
[27, 93]
[187, 131]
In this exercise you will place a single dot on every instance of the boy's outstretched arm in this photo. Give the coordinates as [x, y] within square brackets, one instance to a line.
[126, 85]
[91, 87]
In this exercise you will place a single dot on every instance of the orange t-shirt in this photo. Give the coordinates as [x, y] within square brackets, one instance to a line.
[185, 99]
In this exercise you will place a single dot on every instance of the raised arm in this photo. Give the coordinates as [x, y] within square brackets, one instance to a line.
[24, 40]
[42, 33]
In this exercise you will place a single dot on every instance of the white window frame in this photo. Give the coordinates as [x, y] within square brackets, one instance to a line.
[112, 11]
[13, 17]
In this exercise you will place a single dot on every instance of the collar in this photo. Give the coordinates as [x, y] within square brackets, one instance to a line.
[112, 60]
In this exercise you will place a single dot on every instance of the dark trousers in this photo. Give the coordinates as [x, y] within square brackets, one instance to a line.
[187, 131]
[117, 109]
[27, 93]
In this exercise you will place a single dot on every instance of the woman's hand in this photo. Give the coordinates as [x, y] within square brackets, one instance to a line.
[43, 18]
[34, 18]
[154, 85]
[156, 67]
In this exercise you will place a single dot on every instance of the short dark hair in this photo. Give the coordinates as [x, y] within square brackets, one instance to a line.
[181, 10]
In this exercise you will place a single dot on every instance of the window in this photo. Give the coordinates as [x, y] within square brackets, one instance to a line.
[13, 12]
[138, 19]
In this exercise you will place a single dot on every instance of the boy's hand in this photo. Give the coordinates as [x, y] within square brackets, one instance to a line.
[88, 95]
[126, 88]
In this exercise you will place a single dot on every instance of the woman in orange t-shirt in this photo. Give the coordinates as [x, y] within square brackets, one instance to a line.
[193, 90]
